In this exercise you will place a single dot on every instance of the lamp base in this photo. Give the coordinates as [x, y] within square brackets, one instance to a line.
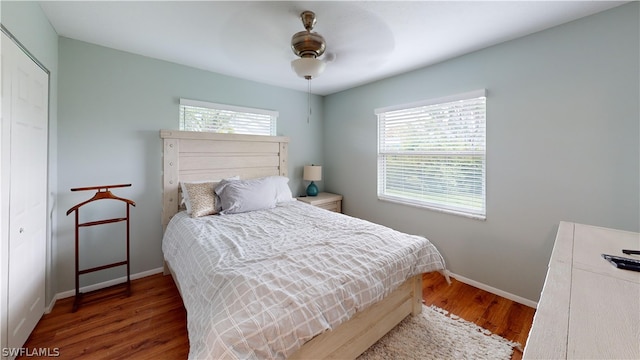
[312, 189]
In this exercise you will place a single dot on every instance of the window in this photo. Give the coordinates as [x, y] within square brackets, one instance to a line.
[219, 118]
[433, 154]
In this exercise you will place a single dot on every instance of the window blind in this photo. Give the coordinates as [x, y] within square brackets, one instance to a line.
[433, 154]
[221, 118]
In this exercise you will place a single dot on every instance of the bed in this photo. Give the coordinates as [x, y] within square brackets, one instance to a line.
[296, 301]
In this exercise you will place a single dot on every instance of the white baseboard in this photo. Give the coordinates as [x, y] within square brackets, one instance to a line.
[102, 285]
[493, 290]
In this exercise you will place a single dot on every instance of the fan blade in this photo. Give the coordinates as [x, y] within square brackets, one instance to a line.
[355, 36]
[262, 30]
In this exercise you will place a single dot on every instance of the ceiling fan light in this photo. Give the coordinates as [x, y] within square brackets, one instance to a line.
[308, 68]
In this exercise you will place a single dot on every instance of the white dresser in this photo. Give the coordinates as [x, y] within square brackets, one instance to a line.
[588, 308]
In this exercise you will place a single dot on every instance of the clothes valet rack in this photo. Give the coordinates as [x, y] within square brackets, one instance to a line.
[103, 192]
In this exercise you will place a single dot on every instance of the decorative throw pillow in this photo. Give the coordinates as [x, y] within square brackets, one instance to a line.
[201, 198]
[185, 203]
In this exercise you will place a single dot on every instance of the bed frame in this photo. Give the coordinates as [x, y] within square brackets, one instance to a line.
[192, 156]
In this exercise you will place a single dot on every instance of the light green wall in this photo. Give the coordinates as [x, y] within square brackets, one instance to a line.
[562, 140]
[112, 106]
[562, 144]
[28, 24]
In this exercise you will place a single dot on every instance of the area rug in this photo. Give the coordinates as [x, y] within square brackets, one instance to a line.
[435, 334]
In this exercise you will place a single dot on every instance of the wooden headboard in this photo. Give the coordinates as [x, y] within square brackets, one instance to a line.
[193, 156]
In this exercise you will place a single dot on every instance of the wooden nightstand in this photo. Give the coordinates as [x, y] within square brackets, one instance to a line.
[329, 201]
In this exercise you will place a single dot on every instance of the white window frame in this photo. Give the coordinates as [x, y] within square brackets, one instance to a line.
[455, 194]
[241, 120]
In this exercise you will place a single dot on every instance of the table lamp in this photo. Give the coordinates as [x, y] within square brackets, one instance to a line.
[312, 173]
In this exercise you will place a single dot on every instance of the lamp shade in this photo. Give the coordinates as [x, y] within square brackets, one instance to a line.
[308, 68]
[312, 173]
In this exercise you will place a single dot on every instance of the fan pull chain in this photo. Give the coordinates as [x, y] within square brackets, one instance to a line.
[309, 99]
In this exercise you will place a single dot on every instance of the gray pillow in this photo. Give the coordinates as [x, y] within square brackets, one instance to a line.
[246, 195]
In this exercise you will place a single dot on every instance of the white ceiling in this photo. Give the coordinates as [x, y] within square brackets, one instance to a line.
[370, 40]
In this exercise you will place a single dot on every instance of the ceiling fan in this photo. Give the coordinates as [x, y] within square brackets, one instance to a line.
[353, 39]
[308, 46]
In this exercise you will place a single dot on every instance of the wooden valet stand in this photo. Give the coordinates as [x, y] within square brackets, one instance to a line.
[103, 192]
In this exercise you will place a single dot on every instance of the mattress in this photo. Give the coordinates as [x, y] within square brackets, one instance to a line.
[260, 284]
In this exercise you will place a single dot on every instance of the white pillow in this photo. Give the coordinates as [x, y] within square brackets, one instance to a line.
[247, 195]
[281, 183]
[213, 184]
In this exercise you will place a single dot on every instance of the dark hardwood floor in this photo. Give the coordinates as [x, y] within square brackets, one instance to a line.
[501, 316]
[151, 323]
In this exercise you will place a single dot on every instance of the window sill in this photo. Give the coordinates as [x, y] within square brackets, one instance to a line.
[427, 207]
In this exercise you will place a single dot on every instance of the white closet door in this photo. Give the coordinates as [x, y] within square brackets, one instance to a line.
[27, 87]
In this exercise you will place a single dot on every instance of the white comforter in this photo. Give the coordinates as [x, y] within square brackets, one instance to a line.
[261, 284]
